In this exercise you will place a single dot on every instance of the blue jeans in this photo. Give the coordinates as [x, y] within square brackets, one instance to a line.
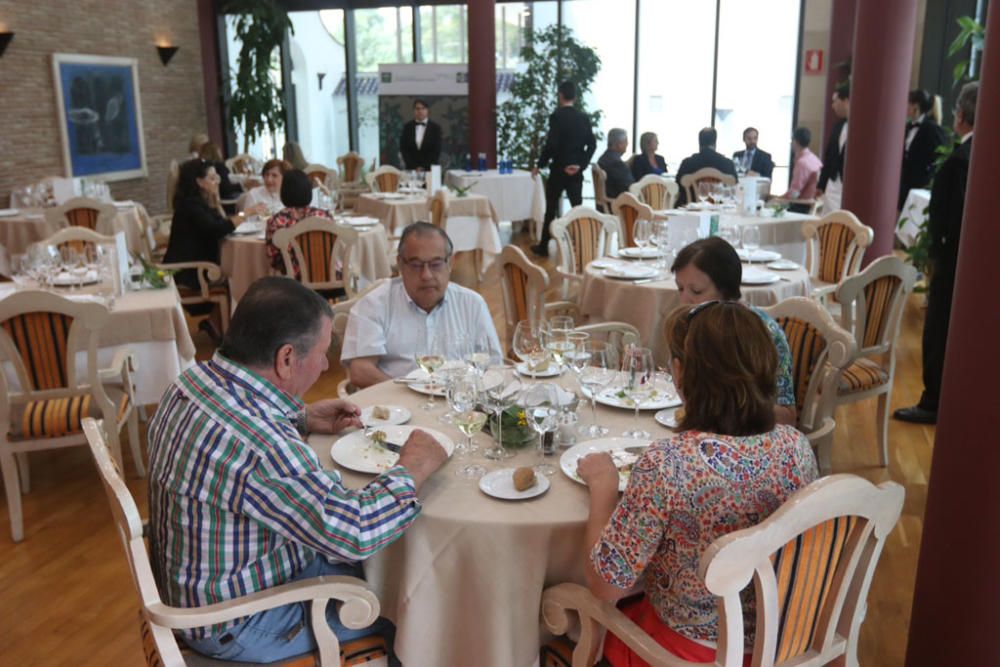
[284, 632]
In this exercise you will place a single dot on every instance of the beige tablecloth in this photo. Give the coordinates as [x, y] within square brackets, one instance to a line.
[29, 226]
[646, 305]
[783, 235]
[516, 196]
[464, 583]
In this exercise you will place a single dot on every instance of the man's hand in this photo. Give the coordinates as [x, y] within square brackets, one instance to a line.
[571, 169]
[598, 471]
[421, 455]
[332, 415]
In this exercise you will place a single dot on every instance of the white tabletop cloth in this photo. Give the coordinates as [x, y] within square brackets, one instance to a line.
[29, 226]
[515, 196]
[782, 234]
[913, 216]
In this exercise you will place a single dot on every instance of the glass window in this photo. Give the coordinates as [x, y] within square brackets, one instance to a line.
[514, 20]
[443, 31]
[265, 145]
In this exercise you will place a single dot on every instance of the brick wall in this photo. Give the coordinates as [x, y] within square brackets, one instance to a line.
[172, 97]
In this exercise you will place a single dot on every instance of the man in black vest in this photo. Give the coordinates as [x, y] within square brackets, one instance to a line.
[421, 140]
[569, 146]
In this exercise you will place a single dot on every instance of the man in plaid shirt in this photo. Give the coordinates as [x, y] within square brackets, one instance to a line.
[239, 502]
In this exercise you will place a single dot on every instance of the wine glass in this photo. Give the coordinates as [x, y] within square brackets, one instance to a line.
[661, 236]
[477, 353]
[751, 240]
[463, 396]
[430, 357]
[577, 356]
[529, 346]
[704, 191]
[642, 235]
[500, 390]
[640, 372]
[555, 334]
[600, 371]
[541, 408]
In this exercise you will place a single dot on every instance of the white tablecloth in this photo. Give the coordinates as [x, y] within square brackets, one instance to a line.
[913, 216]
[29, 226]
[783, 235]
[516, 196]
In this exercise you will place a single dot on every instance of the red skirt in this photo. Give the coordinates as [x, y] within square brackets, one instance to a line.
[641, 612]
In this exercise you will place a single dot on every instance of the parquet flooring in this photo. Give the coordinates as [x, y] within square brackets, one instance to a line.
[66, 596]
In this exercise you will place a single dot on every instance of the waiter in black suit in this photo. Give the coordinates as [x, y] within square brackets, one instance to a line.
[944, 224]
[831, 177]
[618, 173]
[421, 141]
[569, 146]
[705, 157]
[923, 136]
[755, 161]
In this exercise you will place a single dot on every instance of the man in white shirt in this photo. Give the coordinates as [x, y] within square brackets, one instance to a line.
[387, 326]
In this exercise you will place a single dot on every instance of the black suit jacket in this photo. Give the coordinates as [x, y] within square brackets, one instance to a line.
[706, 157]
[641, 166]
[918, 159]
[833, 156]
[570, 140]
[195, 232]
[619, 176]
[761, 163]
[947, 206]
[430, 148]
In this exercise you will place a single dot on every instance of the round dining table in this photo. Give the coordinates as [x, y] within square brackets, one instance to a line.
[19, 228]
[464, 583]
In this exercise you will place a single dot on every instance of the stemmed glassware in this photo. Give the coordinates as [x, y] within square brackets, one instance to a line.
[555, 334]
[529, 346]
[640, 372]
[430, 357]
[751, 240]
[661, 238]
[463, 395]
[476, 353]
[704, 191]
[642, 235]
[541, 408]
[499, 392]
[599, 370]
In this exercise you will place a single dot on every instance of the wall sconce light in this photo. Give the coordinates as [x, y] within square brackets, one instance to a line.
[5, 38]
[166, 53]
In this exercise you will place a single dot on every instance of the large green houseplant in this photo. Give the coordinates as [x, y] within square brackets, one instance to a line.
[551, 55]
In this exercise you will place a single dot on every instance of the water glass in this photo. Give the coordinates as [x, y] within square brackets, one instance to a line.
[541, 408]
[529, 346]
[751, 240]
[640, 373]
[500, 390]
[600, 371]
[642, 233]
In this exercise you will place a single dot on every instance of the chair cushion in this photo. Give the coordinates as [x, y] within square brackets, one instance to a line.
[58, 417]
[862, 375]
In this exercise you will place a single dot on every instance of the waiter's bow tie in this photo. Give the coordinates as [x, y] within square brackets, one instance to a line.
[424, 123]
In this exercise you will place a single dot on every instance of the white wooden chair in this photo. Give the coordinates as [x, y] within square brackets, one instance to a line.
[821, 350]
[655, 191]
[439, 209]
[350, 165]
[872, 304]
[78, 238]
[629, 209]
[524, 284]
[173, 175]
[322, 177]
[600, 180]
[619, 334]
[40, 336]
[212, 289]
[358, 606]
[244, 163]
[384, 179]
[582, 235]
[341, 314]
[82, 212]
[811, 564]
[835, 246]
[316, 245]
[690, 181]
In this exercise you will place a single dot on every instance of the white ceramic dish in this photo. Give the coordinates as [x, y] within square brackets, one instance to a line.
[758, 255]
[782, 265]
[247, 228]
[357, 452]
[8, 212]
[66, 279]
[623, 460]
[755, 277]
[397, 415]
[639, 253]
[550, 371]
[605, 263]
[665, 397]
[667, 417]
[630, 272]
[500, 484]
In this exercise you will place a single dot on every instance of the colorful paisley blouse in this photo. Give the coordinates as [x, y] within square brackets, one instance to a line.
[684, 493]
[785, 386]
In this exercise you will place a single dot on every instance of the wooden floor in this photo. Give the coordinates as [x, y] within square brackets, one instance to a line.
[66, 597]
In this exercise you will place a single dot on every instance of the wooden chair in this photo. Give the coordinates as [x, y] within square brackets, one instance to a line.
[655, 191]
[821, 350]
[322, 177]
[78, 238]
[835, 246]
[317, 245]
[82, 212]
[40, 336]
[600, 179]
[690, 181]
[523, 284]
[439, 209]
[6, 269]
[359, 607]
[811, 564]
[582, 235]
[384, 179]
[629, 209]
[872, 304]
[350, 165]
[341, 315]
[244, 163]
[212, 289]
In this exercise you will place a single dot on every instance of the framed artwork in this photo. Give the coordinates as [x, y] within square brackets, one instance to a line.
[100, 116]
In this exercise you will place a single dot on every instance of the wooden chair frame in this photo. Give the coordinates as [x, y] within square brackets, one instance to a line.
[571, 267]
[626, 231]
[287, 239]
[376, 181]
[600, 179]
[861, 237]
[655, 191]
[88, 320]
[346, 163]
[852, 294]
[619, 334]
[61, 216]
[322, 177]
[690, 181]
[78, 236]
[740, 558]
[439, 209]
[244, 163]
[209, 276]
[534, 308]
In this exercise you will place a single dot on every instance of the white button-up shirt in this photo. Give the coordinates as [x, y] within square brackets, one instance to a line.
[386, 323]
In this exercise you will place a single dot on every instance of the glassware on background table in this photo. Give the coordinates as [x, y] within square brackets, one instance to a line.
[500, 389]
[640, 374]
[751, 240]
[529, 346]
[600, 371]
[482, 162]
[704, 189]
[430, 357]
[541, 408]
[642, 234]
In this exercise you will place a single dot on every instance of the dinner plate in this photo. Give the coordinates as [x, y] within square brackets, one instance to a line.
[665, 397]
[623, 460]
[756, 277]
[500, 484]
[397, 415]
[667, 417]
[393, 196]
[355, 451]
[66, 279]
[551, 371]
[605, 263]
[782, 265]
[639, 253]
[758, 255]
[360, 221]
[8, 212]
[247, 228]
[630, 272]
[418, 383]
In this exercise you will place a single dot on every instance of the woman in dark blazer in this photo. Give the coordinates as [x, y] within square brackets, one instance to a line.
[647, 161]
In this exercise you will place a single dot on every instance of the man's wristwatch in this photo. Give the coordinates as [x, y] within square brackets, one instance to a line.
[301, 423]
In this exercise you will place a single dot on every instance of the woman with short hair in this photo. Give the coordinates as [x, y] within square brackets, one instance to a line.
[296, 195]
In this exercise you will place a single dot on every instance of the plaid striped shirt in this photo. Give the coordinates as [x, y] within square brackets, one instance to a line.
[238, 501]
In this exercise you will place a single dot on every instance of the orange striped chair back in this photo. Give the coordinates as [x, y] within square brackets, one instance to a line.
[655, 196]
[438, 207]
[517, 280]
[586, 236]
[387, 182]
[315, 255]
[628, 214]
[837, 251]
[879, 297]
[83, 217]
[808, 347]
[42, 341]
[350, 167]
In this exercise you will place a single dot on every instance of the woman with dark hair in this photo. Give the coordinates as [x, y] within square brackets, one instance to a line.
[266, 199]
[227, 189]
[648, 161]
[923, 136]
[728, 467]
[296, 195]
[710, 270]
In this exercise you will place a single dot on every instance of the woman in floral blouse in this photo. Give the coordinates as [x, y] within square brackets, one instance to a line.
[296, 195]
[709, 269]
[729, 467]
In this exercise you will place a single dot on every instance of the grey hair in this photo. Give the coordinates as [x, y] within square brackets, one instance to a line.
[616, 135]
[424, 229]
[966, 102]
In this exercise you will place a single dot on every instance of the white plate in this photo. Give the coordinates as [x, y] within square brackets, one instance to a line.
[758, 255]
[622, 458]
[755, 277]
[550, 372]
[360, 221]
[645, 253]
[397, 415]
[605, 263]
[667, 417]
[356, 452]
[631, 272]
[65, 279]
[247, 228]
[666, 397]
[8, 212]
[500, 484]
[419, 383]
[393, 196]
[782, 265]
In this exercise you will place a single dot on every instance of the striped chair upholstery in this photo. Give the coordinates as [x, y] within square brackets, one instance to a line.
[655, 196]
[387, 182]
[316, 252]
[808, 347]
[879, 295]
[600, 180]
[628, 214]
[585, 236]
[862, 375]
[837, 250]
[83, 217]
[350, 167]
[439, 209]
[41, 339]
[517, 278]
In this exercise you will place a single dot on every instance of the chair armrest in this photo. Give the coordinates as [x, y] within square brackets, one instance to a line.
[596, 615]
[561, 307]
[821, 440]
[122, 363]
[207, 272]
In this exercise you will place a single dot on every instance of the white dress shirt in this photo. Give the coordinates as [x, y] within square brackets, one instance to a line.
[261, 195]
[386, 323]
[912, 132]
[419, 133]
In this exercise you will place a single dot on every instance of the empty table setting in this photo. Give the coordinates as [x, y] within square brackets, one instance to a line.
[515, 196]
[20, 227]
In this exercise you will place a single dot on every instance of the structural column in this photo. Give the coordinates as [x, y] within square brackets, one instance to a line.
[841, 41]
[482, 80]
[880, 78]
[955, 609]
[208, 36]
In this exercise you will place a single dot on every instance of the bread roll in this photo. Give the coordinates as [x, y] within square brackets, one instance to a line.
[524, 478]
[380, 412]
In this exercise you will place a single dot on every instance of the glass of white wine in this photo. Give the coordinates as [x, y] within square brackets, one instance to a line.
[430, 357]
[470, 422]
[529, 346]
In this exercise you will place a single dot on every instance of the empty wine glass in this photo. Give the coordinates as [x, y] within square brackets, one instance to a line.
[477, 353]
[555, 336]
[704, 191]
[640, 373]
[661, 237]
[430, 357]
[529, 346]
[541, 408]
[600, 371]
[500, 391]
[642, 235]
[751, 240]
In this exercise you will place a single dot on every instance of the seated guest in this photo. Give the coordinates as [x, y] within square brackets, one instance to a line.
[292, 154]
[710, 270]
[705, 157]
[194, 146]
[728, 448]
[238, 501]
[647, 161]
[388, 324]
[296, 194]
[618, 175]
[805, 171]
[266, 199]
[227, 189]
[754, 161]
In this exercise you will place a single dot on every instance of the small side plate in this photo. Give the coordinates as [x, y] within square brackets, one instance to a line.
[500, 484]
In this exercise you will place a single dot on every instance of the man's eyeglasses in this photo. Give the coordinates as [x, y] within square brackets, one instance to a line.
[435, 265]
